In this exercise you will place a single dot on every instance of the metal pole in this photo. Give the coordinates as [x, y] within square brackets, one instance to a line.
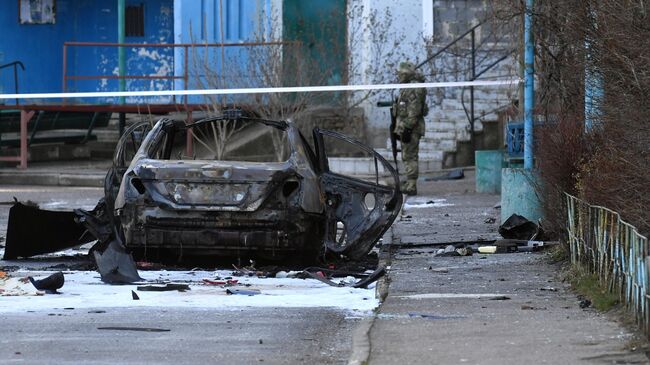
[593, 81]
[65, 67]
[121, 8]
[471, 93]
[121, 57]
[16, 81]
[529, 87]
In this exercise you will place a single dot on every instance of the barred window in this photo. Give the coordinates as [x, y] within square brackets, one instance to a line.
[134, 21]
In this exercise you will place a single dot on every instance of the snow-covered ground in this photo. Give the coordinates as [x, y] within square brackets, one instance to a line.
[83, 289]
[425, 202]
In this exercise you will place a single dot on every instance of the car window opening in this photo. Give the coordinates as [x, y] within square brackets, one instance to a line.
[226, 140]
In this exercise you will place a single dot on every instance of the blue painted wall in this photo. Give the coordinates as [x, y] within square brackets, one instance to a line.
[199, 22]
[40, 46]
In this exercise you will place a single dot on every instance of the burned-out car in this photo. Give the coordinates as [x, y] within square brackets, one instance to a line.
[234, 186]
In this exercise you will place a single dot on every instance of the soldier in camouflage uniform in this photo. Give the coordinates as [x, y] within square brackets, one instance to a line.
[410, 108]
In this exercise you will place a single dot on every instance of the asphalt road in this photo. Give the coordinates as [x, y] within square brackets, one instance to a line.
[192, 336]
[246, 336]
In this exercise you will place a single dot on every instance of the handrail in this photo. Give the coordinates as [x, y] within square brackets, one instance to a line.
[458, 39]
[475, 75]
[14, 64]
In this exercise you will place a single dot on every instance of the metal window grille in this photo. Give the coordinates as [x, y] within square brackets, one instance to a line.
[134, 21]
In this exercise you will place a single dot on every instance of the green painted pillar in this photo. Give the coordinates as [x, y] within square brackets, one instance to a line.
[488, 171]
[519, 194]
[121, 57]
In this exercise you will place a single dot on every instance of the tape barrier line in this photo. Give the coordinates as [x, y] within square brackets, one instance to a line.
[265, 90]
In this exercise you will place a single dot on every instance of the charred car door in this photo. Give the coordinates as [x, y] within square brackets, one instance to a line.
[127, 147]
[358, 211]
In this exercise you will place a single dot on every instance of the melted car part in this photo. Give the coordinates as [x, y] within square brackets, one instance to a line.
[114, 263]
[33, 231]
[363, 283]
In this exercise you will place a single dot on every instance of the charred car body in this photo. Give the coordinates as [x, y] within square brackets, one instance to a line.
[202, 189]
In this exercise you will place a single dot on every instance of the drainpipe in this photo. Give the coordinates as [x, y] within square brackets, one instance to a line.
[593, 81]
[121, 57]
[529, 86]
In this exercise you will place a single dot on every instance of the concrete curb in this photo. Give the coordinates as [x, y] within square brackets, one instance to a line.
[52, 179]
[361, 336]
[361, 342]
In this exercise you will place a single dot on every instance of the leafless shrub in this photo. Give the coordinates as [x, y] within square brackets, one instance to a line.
[599, 43]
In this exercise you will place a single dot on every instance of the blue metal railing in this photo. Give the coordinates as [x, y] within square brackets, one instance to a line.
[615, 251]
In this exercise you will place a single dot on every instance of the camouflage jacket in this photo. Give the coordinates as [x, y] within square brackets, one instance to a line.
[410, 110]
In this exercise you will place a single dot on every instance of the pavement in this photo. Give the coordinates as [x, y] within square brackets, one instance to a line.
[480, 309]
[85, 173]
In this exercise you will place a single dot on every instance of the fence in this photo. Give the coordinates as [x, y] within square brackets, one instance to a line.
[615, 251]
[92, 66]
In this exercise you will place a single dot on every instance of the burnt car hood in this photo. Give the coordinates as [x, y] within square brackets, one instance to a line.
[208, 185]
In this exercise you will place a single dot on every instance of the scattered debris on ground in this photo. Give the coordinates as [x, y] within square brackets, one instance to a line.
[249, 292]
[520, 228]
[451, 250]
[49, 284]
[195, 288]
[490, 220]
[455, 174]
[165, 287]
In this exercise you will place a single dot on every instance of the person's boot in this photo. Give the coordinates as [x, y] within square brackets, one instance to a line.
[410, 187]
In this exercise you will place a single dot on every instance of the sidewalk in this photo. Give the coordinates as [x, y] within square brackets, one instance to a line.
[481, 309]
[89, 173]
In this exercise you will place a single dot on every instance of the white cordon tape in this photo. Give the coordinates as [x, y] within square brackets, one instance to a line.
[264, 90]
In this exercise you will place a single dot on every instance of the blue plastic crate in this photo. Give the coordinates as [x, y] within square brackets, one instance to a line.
[515, 140]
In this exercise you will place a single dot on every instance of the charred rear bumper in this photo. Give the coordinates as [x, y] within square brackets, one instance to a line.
[269, 232]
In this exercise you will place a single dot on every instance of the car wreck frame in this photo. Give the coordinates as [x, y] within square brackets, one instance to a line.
[294, 210]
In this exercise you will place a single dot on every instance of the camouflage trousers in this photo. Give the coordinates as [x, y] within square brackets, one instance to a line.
[410, 153]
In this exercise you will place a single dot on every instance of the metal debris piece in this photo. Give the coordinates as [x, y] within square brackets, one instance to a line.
[115, 264]
[227, 282]
[49, 284]
[33, 231]
[249, 292]
[363, 283]
[518, 227]
[165, 287]
[455, 174]
[451, 250]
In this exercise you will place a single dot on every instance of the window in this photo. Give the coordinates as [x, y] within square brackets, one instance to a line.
[226, 140]
[37, 11]
[134, 21]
